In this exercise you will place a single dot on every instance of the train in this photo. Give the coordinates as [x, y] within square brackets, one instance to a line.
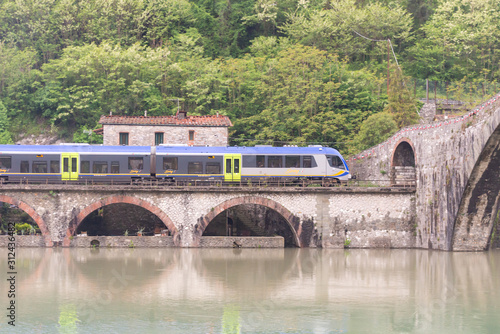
[168, 163]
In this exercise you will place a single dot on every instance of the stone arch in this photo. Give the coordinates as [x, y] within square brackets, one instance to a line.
[480, 203]
[403, 162]
[32, 213]
[292, 221]
[78, 219]
[404, 154]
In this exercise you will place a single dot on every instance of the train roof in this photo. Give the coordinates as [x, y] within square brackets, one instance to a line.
[163, 149]
[73, 148]
[246, 150]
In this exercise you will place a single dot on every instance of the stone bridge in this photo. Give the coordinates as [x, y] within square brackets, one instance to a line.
[456, 166]
[315, 217]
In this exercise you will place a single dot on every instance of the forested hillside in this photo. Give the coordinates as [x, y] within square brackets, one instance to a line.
[284, 71]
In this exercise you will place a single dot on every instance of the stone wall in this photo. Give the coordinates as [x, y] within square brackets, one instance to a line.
[145, 135]
[315, 217]
[23, 241]
[242, 242]
[446, 152]
[122, 241]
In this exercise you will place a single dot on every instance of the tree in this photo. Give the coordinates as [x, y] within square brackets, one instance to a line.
[375, 129]
[5, 136]
[402, 106]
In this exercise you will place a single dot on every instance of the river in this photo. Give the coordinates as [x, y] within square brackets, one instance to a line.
[252, 291]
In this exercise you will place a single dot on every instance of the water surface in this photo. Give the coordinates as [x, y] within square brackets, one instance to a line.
[253, 291]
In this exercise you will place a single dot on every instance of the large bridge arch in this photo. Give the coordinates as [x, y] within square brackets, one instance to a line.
[480, 201]
[73, 225]
[32, 213]
[292, 221]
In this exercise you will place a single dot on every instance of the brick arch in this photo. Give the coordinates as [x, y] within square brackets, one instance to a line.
[292, 221]
[77, 220]
[397, 150]
[32, 213]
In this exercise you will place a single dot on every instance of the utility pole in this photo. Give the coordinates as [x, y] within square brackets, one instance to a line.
[388, 57]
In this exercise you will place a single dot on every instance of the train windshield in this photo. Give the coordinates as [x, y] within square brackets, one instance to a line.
[335, 162]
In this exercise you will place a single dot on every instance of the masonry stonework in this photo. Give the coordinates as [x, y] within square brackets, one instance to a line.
[317, 217]
[145, 135]
[451, 159]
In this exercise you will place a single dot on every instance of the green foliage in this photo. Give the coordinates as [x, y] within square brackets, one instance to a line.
[402, 106]
[282, 71]
[5, 136]
[23, 228]
[375, 129]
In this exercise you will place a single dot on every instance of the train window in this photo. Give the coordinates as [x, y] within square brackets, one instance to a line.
[249, 161]
[292, 161]
[170, 163]
[54, 166]
[335, 161]
[195, 168]
[100, 167]
[5, 162]
[213, 168]
[25, 167]
[66, 165]
[274, 161]
[261, 161]
[308, 161]
[135, 163]
[74, 165]
[85, 167]
[39, 167]
[115, 167]
[236, 166]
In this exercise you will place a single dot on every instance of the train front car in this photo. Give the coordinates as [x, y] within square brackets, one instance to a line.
[336, 167]
[293, 164]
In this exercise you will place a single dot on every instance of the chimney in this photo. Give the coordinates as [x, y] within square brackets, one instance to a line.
[145, 113]
[181, 114]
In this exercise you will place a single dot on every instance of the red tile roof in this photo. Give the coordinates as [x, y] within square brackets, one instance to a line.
[212, 120]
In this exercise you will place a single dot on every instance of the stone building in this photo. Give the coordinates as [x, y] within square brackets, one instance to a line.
[180, 129]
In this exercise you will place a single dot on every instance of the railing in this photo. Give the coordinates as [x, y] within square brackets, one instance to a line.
[259, 183]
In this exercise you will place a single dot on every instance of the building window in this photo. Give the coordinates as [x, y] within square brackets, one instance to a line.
[191, 135]
[123, 138]
[158, 138]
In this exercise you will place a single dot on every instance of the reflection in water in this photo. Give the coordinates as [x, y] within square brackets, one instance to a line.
[254, 290]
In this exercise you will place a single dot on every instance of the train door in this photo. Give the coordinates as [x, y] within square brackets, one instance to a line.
[69, 166]
[232, 167]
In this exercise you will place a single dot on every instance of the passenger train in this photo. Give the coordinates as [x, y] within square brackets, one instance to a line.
[81, 162]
